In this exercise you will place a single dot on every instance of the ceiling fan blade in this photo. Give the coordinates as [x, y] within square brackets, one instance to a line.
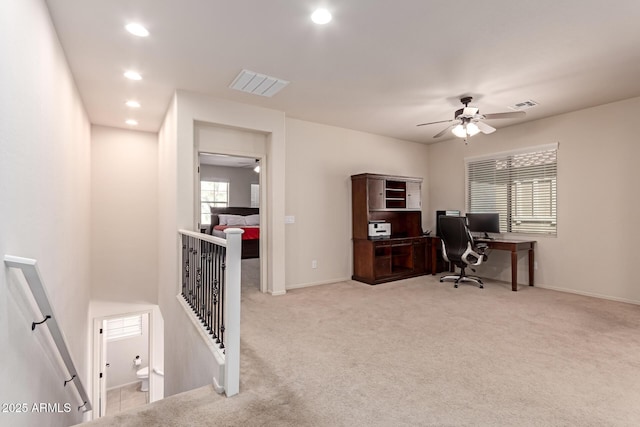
[485, 128]
[511, 115]
[433, 123]
[469, 111]
[443, 131]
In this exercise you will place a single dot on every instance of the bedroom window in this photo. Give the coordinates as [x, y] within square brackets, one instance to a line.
[255, 195]
[519, 185]
[212, 193]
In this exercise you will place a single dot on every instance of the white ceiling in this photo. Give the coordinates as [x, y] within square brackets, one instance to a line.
[379, 66]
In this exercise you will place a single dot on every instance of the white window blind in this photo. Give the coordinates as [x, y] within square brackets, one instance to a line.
[255, 195]
[521, 186]
[212, 193]
[124, 327]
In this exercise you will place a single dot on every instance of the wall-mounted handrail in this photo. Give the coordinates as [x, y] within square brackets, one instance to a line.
[31, 273]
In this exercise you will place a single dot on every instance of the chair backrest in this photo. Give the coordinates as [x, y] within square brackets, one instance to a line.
[455, 237]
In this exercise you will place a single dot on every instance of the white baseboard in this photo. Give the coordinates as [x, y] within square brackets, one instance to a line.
[123, 385]
[588, 294]
[323, 282]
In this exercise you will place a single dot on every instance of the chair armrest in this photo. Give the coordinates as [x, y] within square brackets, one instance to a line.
[475, 256]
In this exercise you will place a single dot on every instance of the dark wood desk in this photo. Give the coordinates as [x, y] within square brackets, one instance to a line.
[512, 246]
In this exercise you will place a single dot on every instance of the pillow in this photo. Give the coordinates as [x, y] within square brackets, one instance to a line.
[237, 220]
[223, 219]
[252, 219]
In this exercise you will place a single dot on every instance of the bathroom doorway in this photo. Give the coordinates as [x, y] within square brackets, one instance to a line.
[123, 362]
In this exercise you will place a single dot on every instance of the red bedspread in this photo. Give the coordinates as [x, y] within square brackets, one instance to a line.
[250, 232]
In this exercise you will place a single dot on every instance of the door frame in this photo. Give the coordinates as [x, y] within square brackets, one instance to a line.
[262, 181]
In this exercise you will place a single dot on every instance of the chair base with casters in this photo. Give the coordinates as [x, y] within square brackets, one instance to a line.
[462, 277]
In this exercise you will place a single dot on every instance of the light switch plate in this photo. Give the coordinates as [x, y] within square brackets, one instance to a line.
[289, 219]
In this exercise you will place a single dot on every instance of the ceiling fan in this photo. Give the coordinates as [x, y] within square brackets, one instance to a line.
[467, 121]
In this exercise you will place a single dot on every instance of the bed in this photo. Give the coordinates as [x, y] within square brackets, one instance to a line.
[247, 219]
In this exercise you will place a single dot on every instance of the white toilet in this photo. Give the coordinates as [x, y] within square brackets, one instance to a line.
[143, 374]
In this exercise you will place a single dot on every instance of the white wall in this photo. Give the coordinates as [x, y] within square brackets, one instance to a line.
[598, 206]
[44, 213]
[122, 352]
[320, 162]
[124, 215]
[176, 162]
[239, 179]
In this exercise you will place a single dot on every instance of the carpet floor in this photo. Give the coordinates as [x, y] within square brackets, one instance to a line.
[420, 353]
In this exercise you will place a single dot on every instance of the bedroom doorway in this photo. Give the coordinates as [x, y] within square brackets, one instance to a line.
[231, 190]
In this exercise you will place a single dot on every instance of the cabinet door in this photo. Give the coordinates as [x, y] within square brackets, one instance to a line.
[375, 188]
[414, 195]
[419, 255]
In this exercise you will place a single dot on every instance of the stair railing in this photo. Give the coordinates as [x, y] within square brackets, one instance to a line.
[211, 287]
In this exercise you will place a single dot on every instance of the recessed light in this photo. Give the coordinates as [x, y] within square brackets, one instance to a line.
[133, 75]
[321, 16]
[132, 122]
[137, 29]
[133, 104]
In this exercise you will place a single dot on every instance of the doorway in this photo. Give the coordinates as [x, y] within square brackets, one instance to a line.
[233, 185]
[252, 147]
[123, 362]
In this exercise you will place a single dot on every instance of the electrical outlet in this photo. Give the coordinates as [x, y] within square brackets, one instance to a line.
[314, 263]
[289, 219]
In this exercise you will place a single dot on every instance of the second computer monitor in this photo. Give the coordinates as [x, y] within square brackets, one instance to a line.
[483, 223]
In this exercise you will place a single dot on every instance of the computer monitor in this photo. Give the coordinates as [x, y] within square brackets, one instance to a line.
[440, 213]
[483, 223]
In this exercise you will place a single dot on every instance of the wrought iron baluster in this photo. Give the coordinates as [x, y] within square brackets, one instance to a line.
[222, 291]
[214, 295]
[192, 274]
[203, 283]
[211, 248]
[185, 263]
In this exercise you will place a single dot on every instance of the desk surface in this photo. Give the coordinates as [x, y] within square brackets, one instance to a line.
[512, 246]
[482, 240]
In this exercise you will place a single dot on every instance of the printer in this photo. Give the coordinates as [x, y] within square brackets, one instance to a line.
[379, 229]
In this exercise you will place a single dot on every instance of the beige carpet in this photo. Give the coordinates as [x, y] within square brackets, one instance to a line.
[421, 353]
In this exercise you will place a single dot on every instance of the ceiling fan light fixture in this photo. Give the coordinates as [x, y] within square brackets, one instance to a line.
[472, 129]
[459, 131]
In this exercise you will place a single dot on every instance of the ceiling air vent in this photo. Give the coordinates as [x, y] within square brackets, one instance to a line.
[257, 84]
[524, 105]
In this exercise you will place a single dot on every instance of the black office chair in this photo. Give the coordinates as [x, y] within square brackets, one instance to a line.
[458, 247]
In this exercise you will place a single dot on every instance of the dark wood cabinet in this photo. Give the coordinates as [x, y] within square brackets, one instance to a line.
[397, 201]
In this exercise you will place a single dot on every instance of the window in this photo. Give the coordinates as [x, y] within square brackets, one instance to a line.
[124, 327]
[255, 195]
[519, 185]
[212, 193]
